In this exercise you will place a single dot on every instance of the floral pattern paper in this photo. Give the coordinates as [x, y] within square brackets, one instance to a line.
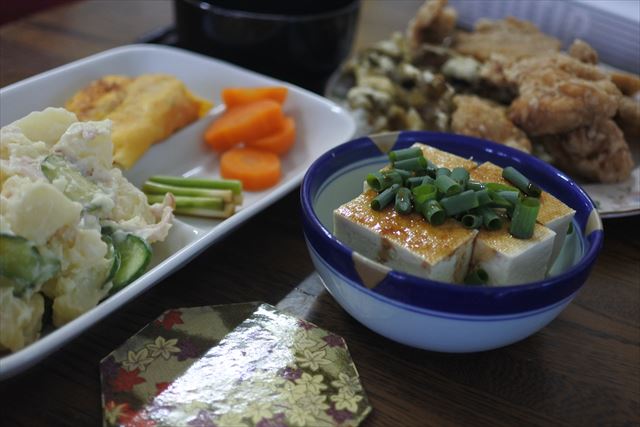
[232, 365]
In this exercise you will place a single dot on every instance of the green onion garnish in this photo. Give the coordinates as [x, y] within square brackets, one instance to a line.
[490, 219]
[475, 185]
[497, 201]
[460, 175]
[434, 213]
[418, 180]
[432, 169]
[510, 196]
[471, 220]
[524, 216]
[447, 186]
[405, 153]
[459, 203]
[498, 186]
[376, 180]
[403, 201]
[384, 198]
[443, 171]
[483, 197]
[512, 175]
[412, 164]
[477, 276]
[403, 173]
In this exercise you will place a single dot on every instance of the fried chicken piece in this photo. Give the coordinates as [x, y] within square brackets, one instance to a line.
[510, 37]
[597, 152]
[433, 22]
[629, 84]
[557, 94]
[628, 117]
[482, 118]
[583, 52]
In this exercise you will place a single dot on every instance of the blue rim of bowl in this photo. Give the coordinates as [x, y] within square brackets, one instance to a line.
[445, 297]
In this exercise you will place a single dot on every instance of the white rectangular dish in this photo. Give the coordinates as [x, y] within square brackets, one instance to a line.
[320, 123]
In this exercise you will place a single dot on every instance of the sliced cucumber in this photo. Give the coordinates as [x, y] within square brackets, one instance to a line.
[22, 265]
[114, 258]
[78, 188]
[135, 255]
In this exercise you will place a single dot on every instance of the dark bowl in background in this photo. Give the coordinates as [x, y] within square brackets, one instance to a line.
[300, 41]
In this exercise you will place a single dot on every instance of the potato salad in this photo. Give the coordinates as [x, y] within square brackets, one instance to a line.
[73, 230]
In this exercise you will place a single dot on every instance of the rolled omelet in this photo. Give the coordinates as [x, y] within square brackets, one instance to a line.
[144, 110]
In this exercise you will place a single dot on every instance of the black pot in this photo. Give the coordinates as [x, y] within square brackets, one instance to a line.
[301, 41]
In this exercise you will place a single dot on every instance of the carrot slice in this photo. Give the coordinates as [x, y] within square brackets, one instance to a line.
[257, 169]
[279, 142]
[243, 123]
[234, 96]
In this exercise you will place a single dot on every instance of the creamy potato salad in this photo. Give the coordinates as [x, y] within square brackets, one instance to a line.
[72, 228]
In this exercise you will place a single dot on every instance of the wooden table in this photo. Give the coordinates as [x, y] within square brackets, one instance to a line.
[582, 369]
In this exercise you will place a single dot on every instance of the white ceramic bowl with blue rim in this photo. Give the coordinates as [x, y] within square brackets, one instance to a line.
[425, 313]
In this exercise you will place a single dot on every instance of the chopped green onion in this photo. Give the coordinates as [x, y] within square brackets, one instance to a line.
[512, 175]
[422, 194]
[380, 181]
[443, 171]
[471, 220]
[447, 186]
[459, 203]
[483, 197]
[460, 175]
[477, 276]
[432, 169]
[403, 173]
[499, 202]
[413, 164]
[384, 198]
[498, 186]
[524, 216]
[403, 200]
[434, 213]
[475, 185]
[490, 219]
[376, 180]
[510, 196]
[418, 180]
[150, 187]
[405, 153]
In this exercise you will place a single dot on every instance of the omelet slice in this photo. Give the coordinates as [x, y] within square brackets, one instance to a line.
[144, 110]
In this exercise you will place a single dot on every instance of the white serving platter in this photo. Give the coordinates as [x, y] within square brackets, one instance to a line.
[321, 124]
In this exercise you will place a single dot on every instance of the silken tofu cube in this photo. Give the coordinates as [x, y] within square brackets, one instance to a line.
[511, 261]
[553, 214]
[442, 159]
[406, 243]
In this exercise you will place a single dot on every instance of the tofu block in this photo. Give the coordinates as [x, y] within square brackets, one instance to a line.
[511, 261]
[553, 214]
[405, 243]
[443, 159]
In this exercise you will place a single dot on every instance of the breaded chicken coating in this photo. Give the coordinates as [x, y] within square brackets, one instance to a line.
[597, 152]
[557, 94]
[482, 118]
[583, 52]
[433, 22]
[510, 37]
